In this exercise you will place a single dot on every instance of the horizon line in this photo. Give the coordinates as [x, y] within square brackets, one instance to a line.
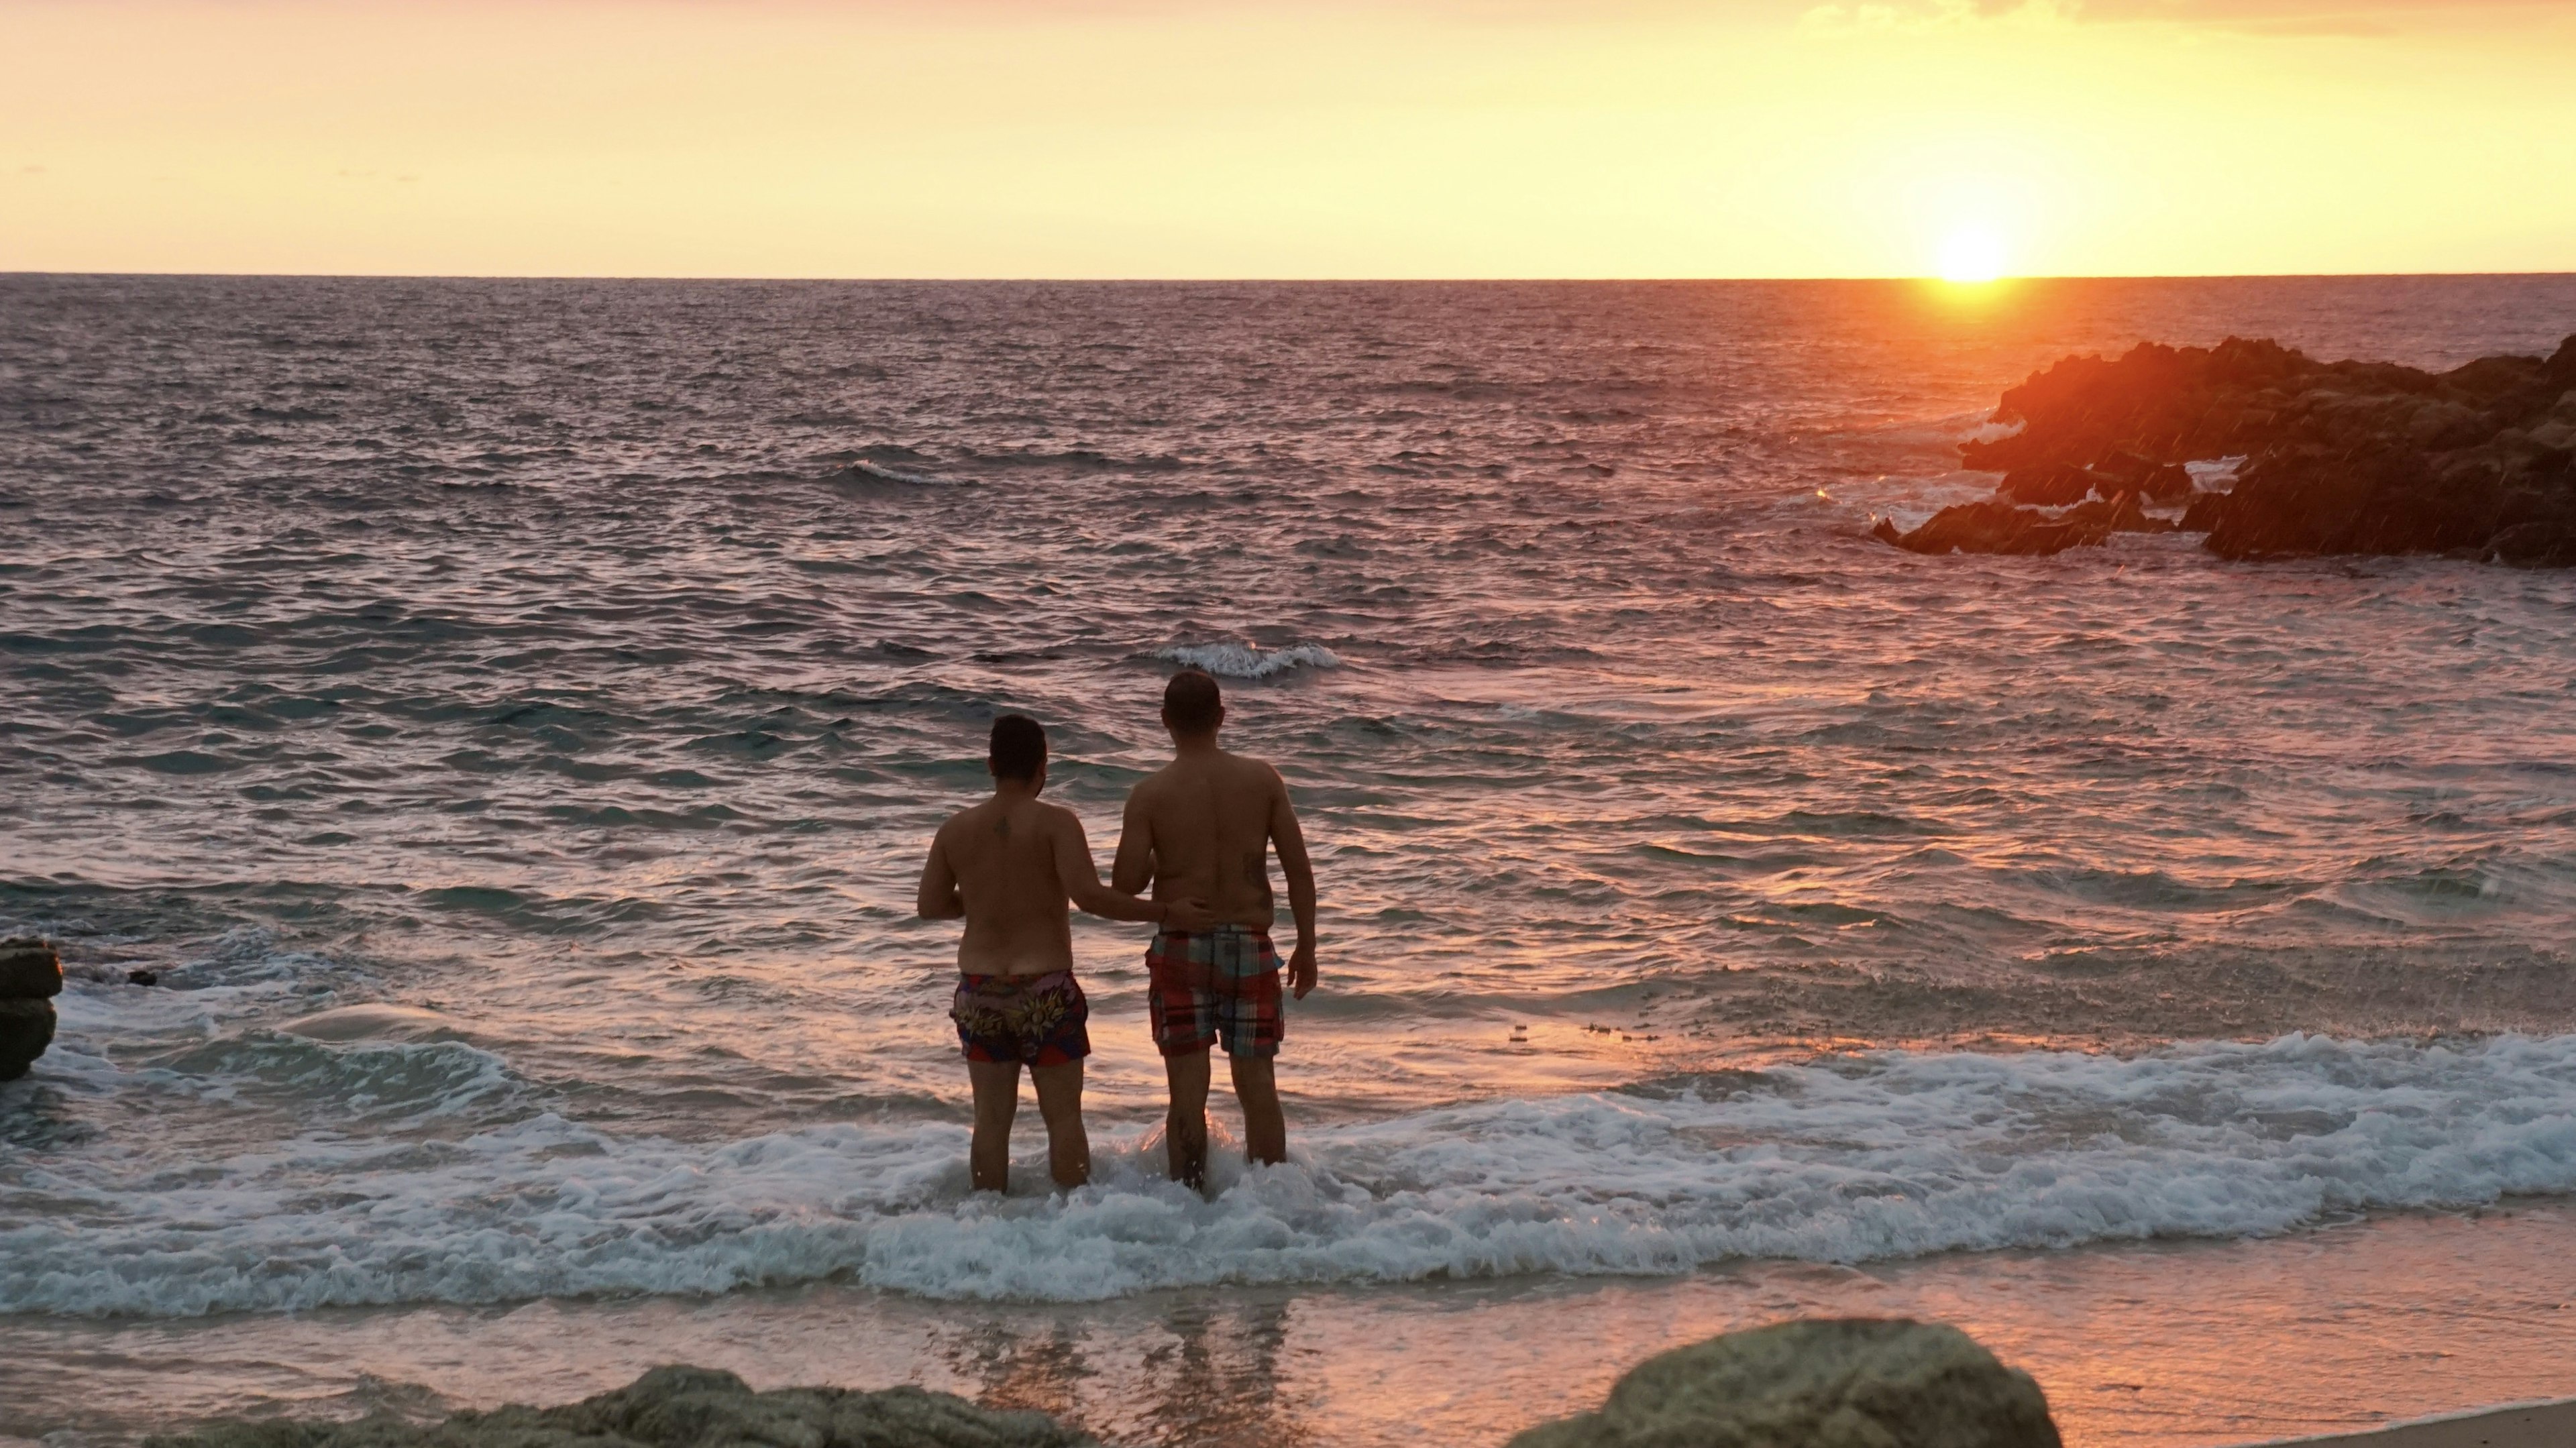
[1215, 280]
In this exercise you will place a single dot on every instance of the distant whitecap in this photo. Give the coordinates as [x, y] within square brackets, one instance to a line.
[1239, 661]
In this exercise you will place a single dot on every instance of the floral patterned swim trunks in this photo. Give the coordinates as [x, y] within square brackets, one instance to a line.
[1036, 1020]
[1217, 985]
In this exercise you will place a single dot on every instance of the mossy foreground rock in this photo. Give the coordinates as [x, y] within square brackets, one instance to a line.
[680, 1408]
[1848, 1383]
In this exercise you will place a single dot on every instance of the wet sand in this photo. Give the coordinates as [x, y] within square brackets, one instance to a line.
[2540, 1425]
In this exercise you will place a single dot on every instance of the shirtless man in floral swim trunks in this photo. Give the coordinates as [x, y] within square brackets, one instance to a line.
[1203, 827]
[1007, 866]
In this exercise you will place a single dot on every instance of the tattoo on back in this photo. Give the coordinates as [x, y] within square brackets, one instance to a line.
[1002, 827]
[1253, 874]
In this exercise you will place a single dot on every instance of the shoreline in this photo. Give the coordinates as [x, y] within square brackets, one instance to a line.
[2151, 1345]
[2548, 1424]
[2543, 1424]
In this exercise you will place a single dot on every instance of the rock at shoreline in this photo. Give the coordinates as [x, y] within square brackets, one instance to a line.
[31, 975]
[1854, 1383]
[1850, 1383]
[678, 1407]
[2343, 457]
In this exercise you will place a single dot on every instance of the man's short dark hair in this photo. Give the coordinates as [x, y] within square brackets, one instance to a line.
[1019, 747]
[1191, 702]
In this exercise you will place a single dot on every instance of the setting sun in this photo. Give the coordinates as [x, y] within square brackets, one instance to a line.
[1972, 254]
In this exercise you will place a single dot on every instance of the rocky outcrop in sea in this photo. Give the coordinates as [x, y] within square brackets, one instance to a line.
[1851, 1383]
[31, 975]
[2338, 457]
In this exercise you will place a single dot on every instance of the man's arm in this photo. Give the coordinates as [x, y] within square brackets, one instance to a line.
[1290, 841]
[940, 899]
[1081, 881]
[1133, 868]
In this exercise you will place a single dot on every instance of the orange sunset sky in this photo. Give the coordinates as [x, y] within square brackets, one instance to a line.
[1258, 138]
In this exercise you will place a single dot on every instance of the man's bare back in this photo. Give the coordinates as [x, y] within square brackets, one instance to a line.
[1008, 867]
[1203, 827]
[1005, 860]
[1207, 820]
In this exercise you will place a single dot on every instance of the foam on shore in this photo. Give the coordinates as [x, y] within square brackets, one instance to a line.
[1874, 1158]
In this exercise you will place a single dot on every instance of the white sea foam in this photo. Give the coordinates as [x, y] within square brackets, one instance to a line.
[2215, 475]
[1238, 661]
[892, 475]
[1884, 1157]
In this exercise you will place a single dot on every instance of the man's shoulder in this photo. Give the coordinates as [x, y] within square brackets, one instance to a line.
[964, 818]
[1249, 768]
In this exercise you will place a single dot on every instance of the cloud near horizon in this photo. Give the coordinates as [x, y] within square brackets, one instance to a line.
[2276, 17]
[2293, 18]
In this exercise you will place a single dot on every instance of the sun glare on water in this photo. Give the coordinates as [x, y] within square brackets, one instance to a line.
[1972, 254]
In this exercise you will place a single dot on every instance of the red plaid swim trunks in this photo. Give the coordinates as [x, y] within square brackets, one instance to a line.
[1036, 1020]
[1218, 985]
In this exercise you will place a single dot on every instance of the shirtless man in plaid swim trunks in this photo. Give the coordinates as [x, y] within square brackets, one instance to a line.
[1202, 828]
[1007, 866]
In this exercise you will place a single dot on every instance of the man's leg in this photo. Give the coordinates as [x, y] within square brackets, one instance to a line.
[997, 1100]
[1185, 1129]
[1060, 1102]
[1256, 1088]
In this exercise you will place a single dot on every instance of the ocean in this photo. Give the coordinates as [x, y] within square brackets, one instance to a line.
[508, 719]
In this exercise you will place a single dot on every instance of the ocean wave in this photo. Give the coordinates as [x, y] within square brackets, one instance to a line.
[883, 473]
[1885, 1156]
[1241, 661]
[866, 478]
[411, 1080]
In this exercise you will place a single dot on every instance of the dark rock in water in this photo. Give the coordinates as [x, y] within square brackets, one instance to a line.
[2153, 481]
[2345, 457]
[2050, 485]
[143, 977]
[2121, 513]
[678, 1407]
[1853, 1383]
[26, 1029]
[2056, 485]
[2203, 513]
[29, 971]
[2486, 501]
[2544, 545]
[1992, 528]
